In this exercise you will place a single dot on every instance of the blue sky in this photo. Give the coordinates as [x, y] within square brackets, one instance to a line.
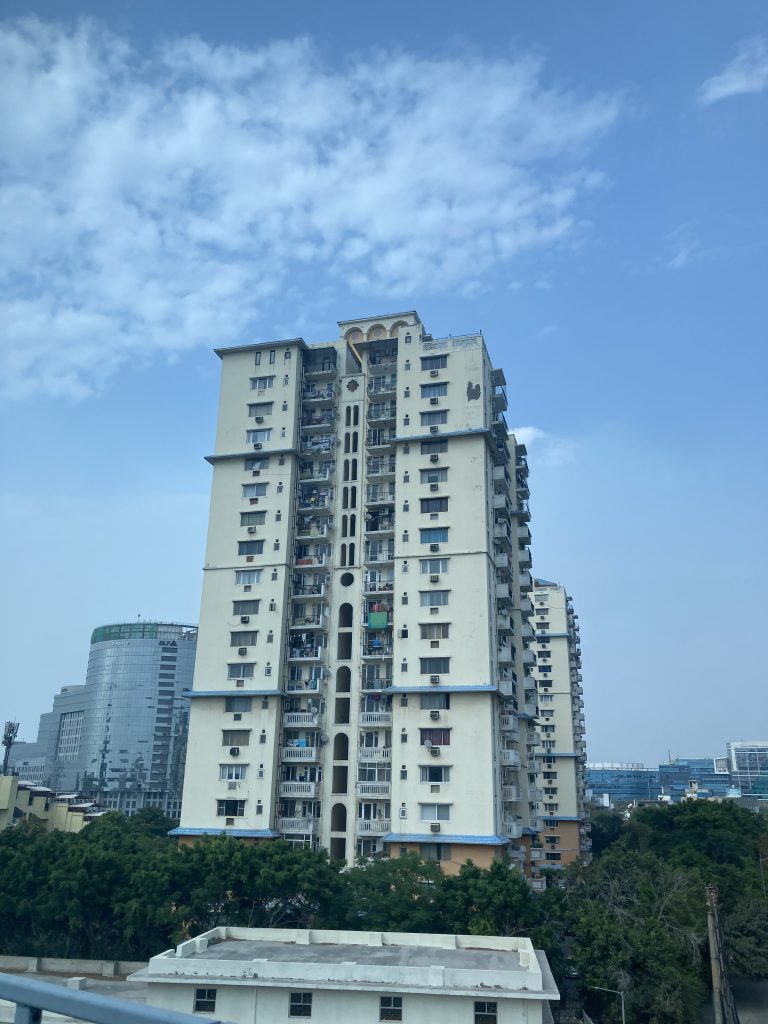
[583, 182]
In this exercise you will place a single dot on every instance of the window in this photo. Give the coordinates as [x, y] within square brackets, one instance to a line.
[434, 666]
[434, 362]
[391, 1008]
[241, 671]
[258, 436]
[235, 737]
[232, 772]
[429, 566]
[260, 463]
[434, 505]
[486, 1013]
[230, 808]
[433, 447]
[300, 1004]
[243, 638]
[435, 851]
[433, 598]
[435, 812]
[205, 1000]
[436, 737]
[435, 630]
[253, 518]
[429, 419]
[260, 408]
[434, 476]
[262, 383]
[434, 390]
[245, 607]
[435, 773]
[237, 703]
[435, 701]
[247, 577]
[271, 355]
[250, 547]
[434, 535]
[254, 490]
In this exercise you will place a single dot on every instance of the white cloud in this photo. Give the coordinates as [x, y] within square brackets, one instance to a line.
[747, 72]
[153, 204]
[545, 449]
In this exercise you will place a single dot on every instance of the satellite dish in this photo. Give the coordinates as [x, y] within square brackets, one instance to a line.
[427, 744]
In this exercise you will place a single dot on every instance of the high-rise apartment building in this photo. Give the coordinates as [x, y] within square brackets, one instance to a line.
[564, 835]
[364, 677]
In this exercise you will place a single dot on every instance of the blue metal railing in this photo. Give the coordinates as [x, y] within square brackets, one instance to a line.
[32, 997]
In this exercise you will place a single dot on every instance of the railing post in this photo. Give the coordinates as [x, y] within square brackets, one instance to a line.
[27, 1014]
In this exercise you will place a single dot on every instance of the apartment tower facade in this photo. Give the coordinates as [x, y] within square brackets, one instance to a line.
[364, 678]
[564, 834]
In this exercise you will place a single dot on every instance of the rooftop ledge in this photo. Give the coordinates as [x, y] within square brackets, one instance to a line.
[344, 960]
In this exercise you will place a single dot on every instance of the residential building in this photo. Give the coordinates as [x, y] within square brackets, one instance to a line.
[564, 835]
[24, 801]
[271, 974]
[364, 681]
[622, 782]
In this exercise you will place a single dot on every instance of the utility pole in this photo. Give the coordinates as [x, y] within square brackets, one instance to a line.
[722, 998]
[10, 732]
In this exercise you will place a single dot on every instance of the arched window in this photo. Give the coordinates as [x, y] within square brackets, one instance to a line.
[341, 747]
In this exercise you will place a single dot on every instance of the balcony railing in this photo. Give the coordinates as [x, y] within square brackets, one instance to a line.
[368, 789]
[299, 753]
[379, 496]
[379, 557]
[377, 651]
[294, 789]
[512, 828]
[307, 826]
[380, 439]
[316, 371]
[380, 467]
[383, 387]
[510, 757]
[510, 793]
[313, 394]
[380, 526]
[307, 652]
[378, 825]
[378, 586]
[325, 421]
[316, 444]
[308, 561]
[375, 753]
[375, 718]
[370, 683]
[318, 592]
[306, 718]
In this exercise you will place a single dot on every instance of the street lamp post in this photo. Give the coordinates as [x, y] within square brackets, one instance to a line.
[615, 992]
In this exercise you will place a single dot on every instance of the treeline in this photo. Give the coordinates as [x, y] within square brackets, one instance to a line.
[634, 919]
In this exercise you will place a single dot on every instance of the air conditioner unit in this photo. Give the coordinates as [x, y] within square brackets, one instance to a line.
[247, 588]
[258, 419]
[434, 578]
[433, 373]
[434, 487]
[256, 472]
[434, 679]
[403, 634]
[237, 717]
[433, 457]
[434, 826]
[433, 401]
[251, 529]
[434, 547]
[434, 610]
[245, 618]
[254, 501]
[257, 446]
[433, 429]
[434, 715]
[249, 558]
[231, 785]
[242, 650]
[403, 812]
[434, 643]
[239, 682]
[434, 751]
[229, 821]
[234, 751]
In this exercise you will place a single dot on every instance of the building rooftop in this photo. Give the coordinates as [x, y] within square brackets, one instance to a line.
[461, 964]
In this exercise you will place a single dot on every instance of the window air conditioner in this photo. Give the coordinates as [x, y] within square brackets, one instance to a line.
[257, 446]
[433, 429]
[254, 501]
[433, 457]
[434, 610]
[434, 715]
[434, 547]
[434, 578]
[231, 785]
[434, 487]
[434, 643]
[242, 650]
[234, 751]
[239, 682]
[249, 558]
[251, 529]
[247, 588]
[434, 751]
[434, 679]
[256, 472]
[433, 373]
[433, 401]
[258, 419]
[434, 826]
[245, 618]
[229, 821]
[403, 812]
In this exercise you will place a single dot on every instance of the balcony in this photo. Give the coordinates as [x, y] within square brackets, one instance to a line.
[308, 530]
[378, 557]
[306, 652]
[504, 624]
[512, 828]
[375, 753]
[507, 687]
[314, 622]
[308, 561]
[299, 754]
[378, 586]
[380, 495]
[311, 473]
[305, 718]
[378, 826]
[311, 394]
[501, 506]
[529, 656]
[537, 853]
[502, 535]
[317, 444]
[504, 593]
[379, 440]
[499, 400]
[375, 718]
[509, 793]
[324, 370]
[373, 650]
[294, 789]
[530, 709]
[373, 683]
[526, 583]
[306, 826]
[381, 412]
[317, 593]
[526, 607]
[506, 654]
[524, 558]
[536, 795]
[369, 789]
[521, 511]
[510, 757]
[501, 476]
[501, 562]
[380, 467]
[508, 723]
[383, 385]
[380, 526]
[318, 423]
[317, 502]
[524, 534]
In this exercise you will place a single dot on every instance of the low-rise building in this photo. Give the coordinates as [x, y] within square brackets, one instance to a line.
[58, 812]
[264, 975]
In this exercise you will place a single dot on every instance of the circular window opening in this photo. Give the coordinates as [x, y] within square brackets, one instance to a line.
[347, 579]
